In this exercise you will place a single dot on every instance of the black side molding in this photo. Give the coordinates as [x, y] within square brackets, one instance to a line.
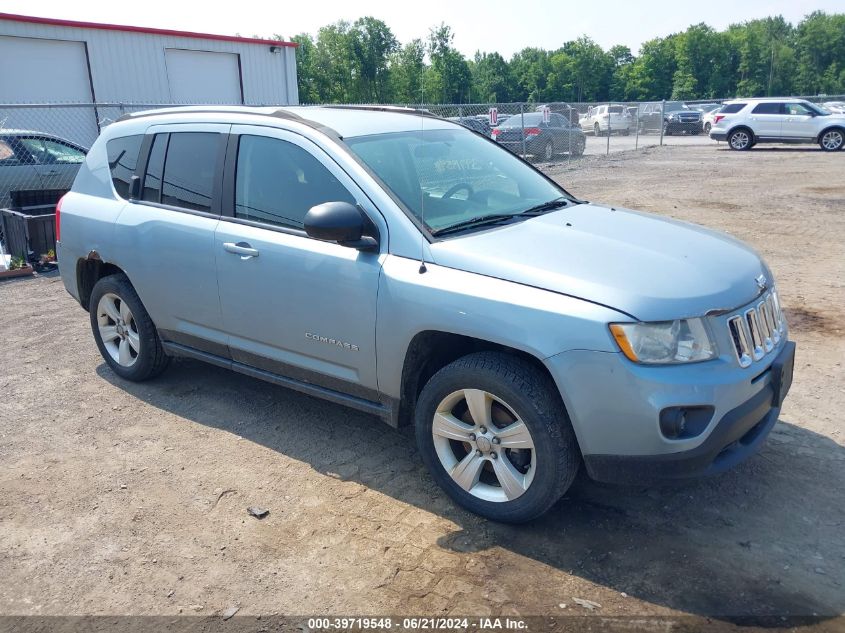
[360, 404]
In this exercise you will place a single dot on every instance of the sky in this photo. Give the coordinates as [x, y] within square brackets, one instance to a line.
[504, 26]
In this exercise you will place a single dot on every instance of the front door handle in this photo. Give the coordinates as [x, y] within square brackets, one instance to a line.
[241, 248]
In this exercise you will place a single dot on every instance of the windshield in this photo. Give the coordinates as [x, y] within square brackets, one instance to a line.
[447, 177]
[819, 109]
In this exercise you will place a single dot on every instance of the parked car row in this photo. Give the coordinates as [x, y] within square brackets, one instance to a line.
[530, 134]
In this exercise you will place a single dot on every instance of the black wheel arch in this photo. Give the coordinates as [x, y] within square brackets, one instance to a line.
[431, 350]
[89, 270]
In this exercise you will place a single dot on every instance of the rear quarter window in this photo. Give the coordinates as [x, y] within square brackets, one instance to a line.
[123, 158]
[732, 108]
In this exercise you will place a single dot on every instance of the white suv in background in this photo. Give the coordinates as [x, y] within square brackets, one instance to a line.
[745, 122]
[604, 119]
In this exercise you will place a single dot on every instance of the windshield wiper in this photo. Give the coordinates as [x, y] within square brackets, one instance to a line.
[547, 206]
[481, 220]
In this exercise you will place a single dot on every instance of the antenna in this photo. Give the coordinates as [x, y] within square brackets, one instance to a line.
[423, 269]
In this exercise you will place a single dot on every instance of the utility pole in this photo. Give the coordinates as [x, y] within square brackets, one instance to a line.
[771, 71]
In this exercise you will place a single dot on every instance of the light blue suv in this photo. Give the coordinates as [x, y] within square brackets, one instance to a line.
[405, 266]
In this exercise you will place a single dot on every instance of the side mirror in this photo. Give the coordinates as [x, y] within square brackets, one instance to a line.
[339, 222]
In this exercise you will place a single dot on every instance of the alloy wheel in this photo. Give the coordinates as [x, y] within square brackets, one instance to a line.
[483, 445]
[740, 140]
[832, 140]
[118, 330]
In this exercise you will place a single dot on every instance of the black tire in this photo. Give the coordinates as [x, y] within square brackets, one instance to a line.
[534, 397]
[667, 131]
[741, 139]
[548, 151]
[151, 359]
[707, 127]
[578, 148]
[597, 130]
[832, 139]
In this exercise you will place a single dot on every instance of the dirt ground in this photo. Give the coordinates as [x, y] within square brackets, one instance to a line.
[121, 498]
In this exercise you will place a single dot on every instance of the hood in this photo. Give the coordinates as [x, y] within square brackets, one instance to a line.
[650, 267]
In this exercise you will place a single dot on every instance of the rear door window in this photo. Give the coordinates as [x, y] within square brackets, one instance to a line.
[732, 108]
[190, 169]
[123, 159]
[768, 108]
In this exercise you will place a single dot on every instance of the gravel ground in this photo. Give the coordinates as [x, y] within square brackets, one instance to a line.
[121, 498]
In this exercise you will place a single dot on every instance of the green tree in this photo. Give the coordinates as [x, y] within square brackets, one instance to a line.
[306, 69]
[407, 66]
[491, 80]
[371, 43]
[820, 50]
[449, 79]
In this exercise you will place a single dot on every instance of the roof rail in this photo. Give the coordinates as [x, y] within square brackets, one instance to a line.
[382, 108]
[280, 112]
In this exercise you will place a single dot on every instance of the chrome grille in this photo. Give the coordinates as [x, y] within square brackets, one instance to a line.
[758, 330]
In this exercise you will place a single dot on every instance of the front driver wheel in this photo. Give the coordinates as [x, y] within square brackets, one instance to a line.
[832, 140]
[124, 332]
[495, 436]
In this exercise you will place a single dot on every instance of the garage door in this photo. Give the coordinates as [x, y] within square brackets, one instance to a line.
[47, 71]
[203, 77]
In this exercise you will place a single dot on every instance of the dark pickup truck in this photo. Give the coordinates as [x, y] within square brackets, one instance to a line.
[673, 117]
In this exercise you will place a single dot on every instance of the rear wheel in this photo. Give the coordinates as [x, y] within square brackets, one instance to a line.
[740, 140]
[832, 140]
[548, 151]
[578, 147]
[493, 431]
[597, 130]
[707, 128]
[124, 332]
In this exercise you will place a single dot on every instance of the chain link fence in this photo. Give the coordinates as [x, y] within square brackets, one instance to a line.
[42, 145]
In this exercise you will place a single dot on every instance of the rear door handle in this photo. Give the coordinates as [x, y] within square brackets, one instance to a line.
[241, 248]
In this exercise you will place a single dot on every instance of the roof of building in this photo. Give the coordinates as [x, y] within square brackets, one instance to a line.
[141, 29]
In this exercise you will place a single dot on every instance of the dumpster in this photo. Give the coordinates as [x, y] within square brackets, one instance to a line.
[29, 225]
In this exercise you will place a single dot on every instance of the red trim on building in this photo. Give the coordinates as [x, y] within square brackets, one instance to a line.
[141, 29]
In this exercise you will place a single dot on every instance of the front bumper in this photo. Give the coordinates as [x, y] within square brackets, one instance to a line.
[684, 127]
[615, 408]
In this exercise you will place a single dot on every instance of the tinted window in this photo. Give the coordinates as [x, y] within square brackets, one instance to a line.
[615, 109]
[155, 169]
[278, 182]
[767, 108]
[732, 108]
[189, 170]
[123, 158]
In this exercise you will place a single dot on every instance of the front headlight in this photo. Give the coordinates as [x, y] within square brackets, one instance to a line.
[664, 342]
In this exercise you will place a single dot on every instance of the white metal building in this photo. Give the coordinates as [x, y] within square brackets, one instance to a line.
[44, 60]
